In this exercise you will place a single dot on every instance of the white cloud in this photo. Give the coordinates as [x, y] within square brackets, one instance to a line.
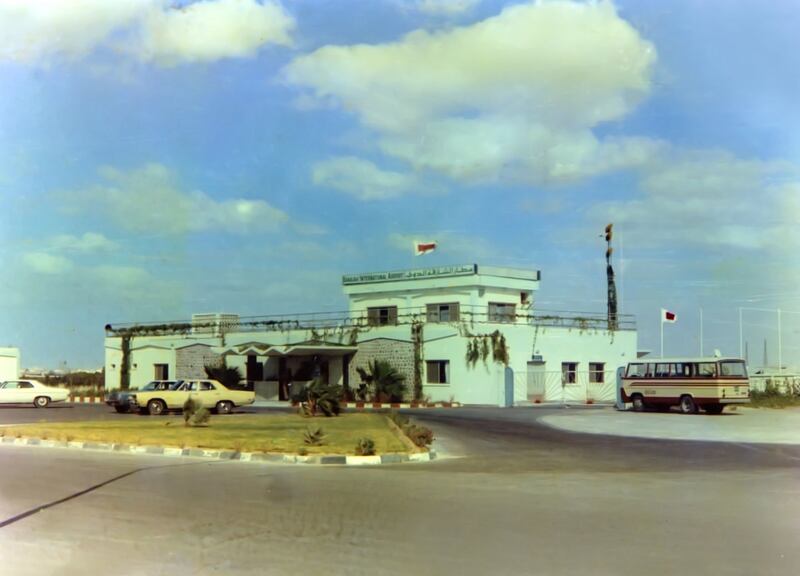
[711, 199]
[444, 7]
[363, 179]
[212, 30]
[88, 243]
[36, 31]
[45, 263]
[150, 200]
[514, 96]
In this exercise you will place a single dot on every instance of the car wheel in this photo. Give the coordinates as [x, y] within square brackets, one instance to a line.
[687, 405]
[156, 407]
[224, 407]
[638, 403]
[714, 409]
[121, 409]
[41, 401]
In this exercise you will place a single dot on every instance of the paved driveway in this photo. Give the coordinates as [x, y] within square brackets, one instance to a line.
[512, 497]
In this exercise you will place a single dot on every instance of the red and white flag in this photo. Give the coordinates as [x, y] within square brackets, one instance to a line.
[667, 316]
[421, 248]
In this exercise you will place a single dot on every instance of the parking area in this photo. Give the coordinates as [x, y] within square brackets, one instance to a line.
[742, 425]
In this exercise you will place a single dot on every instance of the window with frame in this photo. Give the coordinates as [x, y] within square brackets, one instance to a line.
[382, 315]
[501, 312]
[437, 371]
[733, 368]
[597, 372]
[706, 369]
[443, 312]
[569, 372]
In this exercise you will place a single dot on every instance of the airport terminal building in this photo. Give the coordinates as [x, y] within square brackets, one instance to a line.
[468, 333]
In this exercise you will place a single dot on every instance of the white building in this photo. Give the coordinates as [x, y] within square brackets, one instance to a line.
[9, 364]
[467, 334]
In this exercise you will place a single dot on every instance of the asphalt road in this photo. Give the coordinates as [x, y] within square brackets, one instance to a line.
[510, 497]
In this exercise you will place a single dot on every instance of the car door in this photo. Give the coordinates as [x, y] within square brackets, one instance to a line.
[26, 392]
[8, 393]
[209, 394]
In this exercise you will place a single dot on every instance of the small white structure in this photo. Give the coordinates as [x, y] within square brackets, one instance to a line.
[465, 333]
[9, 364]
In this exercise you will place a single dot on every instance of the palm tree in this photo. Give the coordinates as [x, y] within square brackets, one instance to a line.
[384, 381]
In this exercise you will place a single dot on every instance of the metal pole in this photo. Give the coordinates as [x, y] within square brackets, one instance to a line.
[661, 320]
[780, 357]
[701, 332]
[741, 344]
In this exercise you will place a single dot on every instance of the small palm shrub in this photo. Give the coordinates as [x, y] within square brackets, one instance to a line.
[314, 436]
[365, 447]
[383, 379]
[194, 414]
[320, 396]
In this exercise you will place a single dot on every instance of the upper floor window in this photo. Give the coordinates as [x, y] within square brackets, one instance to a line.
[382, 315]
[501, 312]
[443, 312]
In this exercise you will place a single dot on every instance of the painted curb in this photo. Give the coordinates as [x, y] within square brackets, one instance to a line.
[173, 452]
[396, 406]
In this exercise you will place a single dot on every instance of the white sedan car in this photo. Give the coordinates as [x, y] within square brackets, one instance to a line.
[30, 392]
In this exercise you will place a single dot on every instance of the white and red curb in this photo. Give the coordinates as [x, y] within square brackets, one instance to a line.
[339, 459]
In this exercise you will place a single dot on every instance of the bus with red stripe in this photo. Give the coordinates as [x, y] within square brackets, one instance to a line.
[690, 384]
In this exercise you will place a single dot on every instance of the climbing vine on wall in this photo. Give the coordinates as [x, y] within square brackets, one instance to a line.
[416, 339]
[480, 345]
[125, 366]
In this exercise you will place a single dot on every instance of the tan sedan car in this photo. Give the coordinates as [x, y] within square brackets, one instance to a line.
[211, 393]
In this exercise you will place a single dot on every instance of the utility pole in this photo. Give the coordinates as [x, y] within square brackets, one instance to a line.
[612, 288]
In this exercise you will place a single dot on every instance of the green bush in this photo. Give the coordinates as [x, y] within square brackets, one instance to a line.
[383, 379]
[194, 414]
[320, 396]
[421, 436]
[365, 447]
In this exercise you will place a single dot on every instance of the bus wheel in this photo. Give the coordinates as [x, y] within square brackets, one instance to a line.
[638, 403]
[687, 405]
[714, 408]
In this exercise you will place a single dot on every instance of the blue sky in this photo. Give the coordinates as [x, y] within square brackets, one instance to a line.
[164, 158]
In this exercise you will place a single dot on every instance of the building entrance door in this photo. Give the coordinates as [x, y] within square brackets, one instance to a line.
[537, 378]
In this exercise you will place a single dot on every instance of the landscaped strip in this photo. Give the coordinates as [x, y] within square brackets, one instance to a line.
[282, 433]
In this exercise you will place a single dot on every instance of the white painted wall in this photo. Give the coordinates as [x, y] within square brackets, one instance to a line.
[9, 364]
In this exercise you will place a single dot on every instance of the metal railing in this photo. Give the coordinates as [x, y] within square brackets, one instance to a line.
[467, 316]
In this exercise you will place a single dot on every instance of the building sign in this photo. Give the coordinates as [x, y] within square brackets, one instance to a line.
[416, 274]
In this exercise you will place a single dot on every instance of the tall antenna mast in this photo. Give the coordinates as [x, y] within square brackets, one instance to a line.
[612, 287]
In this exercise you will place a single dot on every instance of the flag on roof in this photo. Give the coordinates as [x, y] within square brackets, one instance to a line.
[421, 248]
[667, 316]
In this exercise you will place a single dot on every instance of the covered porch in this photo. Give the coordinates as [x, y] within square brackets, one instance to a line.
[277, 372]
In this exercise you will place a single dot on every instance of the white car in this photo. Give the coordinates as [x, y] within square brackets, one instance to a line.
[31, 392]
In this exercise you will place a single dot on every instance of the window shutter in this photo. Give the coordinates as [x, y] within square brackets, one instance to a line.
[454, 312]
[373, 316]
[393, 315]
[432, 312]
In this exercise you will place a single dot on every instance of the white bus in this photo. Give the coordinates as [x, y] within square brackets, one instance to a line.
[689, 383]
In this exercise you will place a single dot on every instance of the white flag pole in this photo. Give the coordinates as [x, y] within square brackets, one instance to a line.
[701, 332]
[661, 321]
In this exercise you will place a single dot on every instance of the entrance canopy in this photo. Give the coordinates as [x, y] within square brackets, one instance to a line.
[279, 351]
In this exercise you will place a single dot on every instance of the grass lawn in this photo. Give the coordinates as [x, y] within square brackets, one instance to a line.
[244, 433]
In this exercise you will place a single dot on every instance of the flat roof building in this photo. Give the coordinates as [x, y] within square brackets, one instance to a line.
[465, 333]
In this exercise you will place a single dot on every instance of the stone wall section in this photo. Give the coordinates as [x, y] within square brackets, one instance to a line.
[396, 352]
[190, 362]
